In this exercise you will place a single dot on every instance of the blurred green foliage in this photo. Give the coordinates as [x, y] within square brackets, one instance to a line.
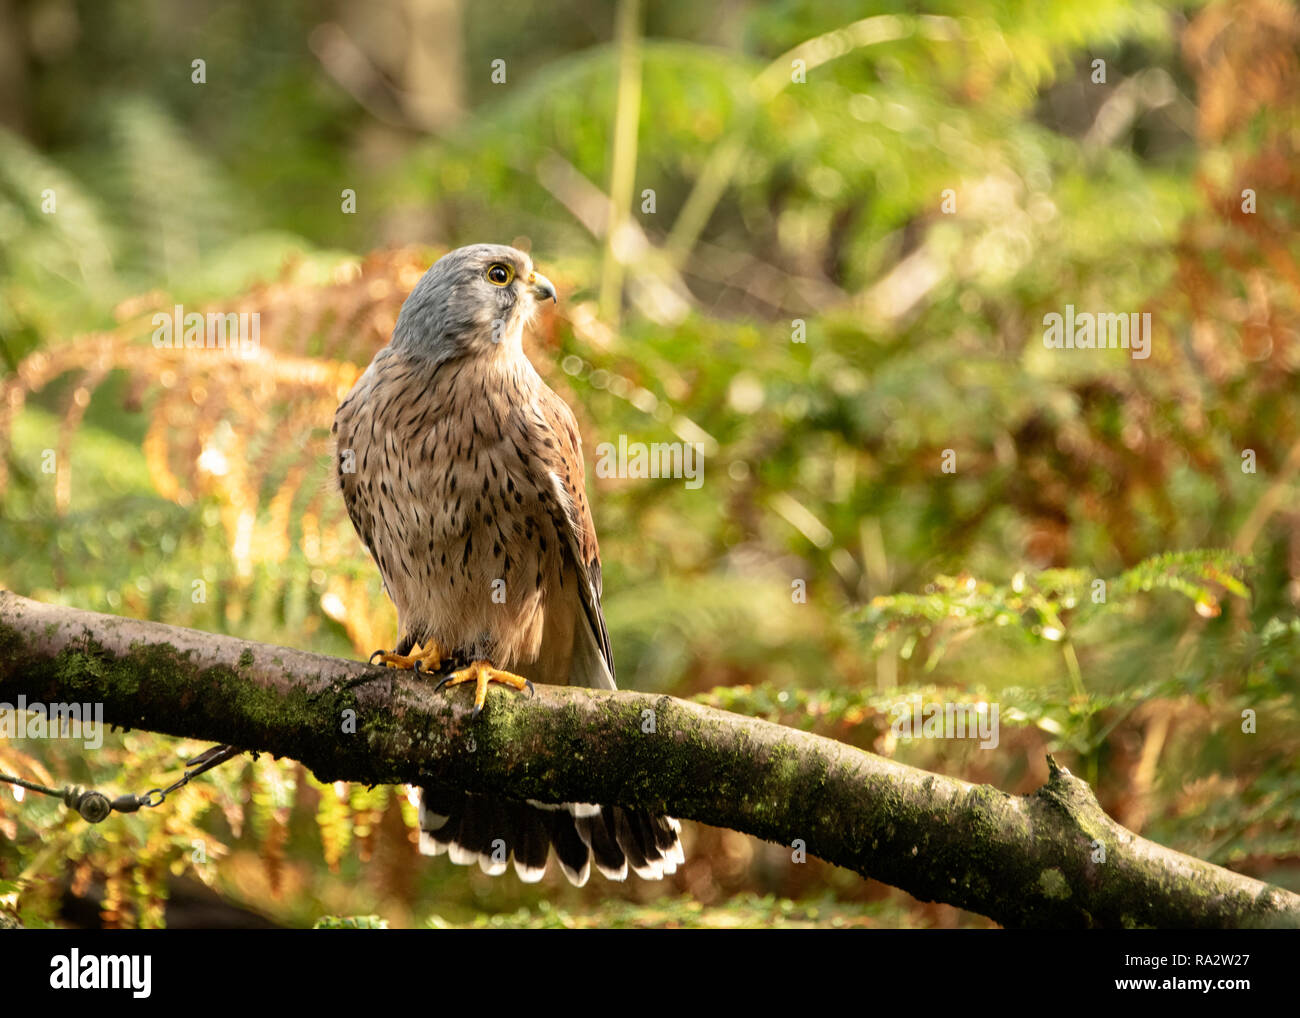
[801, 303]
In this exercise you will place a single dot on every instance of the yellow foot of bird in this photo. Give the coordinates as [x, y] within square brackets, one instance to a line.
[481, 673]
[428, 658]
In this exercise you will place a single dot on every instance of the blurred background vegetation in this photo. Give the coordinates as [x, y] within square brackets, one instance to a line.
[1115, 186]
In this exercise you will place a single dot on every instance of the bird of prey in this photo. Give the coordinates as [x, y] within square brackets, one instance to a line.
[462, 473]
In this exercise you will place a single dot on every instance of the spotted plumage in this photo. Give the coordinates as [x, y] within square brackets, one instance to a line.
[462, 473]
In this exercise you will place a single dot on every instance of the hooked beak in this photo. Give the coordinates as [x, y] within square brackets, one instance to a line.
[542, 287]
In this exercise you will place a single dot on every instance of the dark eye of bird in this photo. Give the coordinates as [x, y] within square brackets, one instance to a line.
[499, 274]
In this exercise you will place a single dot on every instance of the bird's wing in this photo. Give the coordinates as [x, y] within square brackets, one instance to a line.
[572, 517]
[359, 510]
[348, 420]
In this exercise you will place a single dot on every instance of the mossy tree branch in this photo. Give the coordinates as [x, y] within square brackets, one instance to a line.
[1034, 860]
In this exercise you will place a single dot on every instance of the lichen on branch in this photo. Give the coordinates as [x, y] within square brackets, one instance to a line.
[1052, 858]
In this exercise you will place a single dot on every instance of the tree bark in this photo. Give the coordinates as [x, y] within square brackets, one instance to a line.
[1049, 859]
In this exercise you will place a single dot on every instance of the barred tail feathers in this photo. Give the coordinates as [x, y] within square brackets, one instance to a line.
[490, 830]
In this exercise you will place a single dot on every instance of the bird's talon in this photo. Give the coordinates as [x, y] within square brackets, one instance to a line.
[532, 690]
[481, 673]
[417, 660]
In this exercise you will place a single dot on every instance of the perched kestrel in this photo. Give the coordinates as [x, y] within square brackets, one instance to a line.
[462, 472]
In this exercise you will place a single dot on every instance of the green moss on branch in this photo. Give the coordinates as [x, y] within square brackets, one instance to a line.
[1029, 860]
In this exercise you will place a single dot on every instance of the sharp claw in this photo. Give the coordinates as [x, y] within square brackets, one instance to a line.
[473, 715]
[418, 666]
[375, 655]
[442, 683]
[532, 690]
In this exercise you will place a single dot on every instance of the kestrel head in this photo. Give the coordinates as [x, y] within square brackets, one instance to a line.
[473, 301]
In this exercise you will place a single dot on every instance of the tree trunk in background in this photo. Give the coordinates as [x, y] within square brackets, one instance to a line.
[432, 76]
[13, 69]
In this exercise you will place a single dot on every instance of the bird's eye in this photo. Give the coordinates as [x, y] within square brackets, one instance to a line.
[500, 275]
